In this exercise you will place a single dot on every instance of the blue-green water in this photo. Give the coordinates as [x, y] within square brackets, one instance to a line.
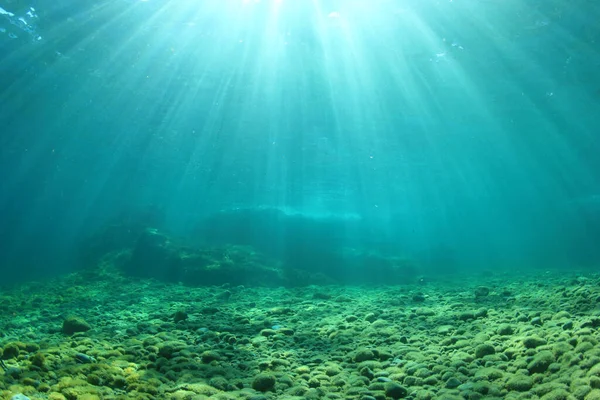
[456, 134]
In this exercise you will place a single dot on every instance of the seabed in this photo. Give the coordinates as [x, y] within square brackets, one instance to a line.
[498, 336]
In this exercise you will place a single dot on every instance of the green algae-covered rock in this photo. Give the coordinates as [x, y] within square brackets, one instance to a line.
[12, 350]
[263, 382]
[38, 359]
[209, 356]
[73, 324]
[395, 390]
[483, 350]
[540, 362]
[519, 383]
[593, 395]
[179, 316]
[364, 355]
[505, 330]
[558, 394]
[532, 342]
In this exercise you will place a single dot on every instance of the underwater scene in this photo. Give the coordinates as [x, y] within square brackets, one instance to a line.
[299, 199]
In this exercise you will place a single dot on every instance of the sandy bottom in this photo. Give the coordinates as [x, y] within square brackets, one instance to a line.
[475, 337]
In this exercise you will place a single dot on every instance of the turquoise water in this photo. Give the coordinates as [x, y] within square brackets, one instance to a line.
[456, 134]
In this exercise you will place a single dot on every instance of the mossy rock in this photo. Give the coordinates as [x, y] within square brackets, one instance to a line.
[168, 349]
[532, 342]
[12, 350]
[364, 355]
[38, 359]
[264, 382]
[395, 390]
[505, 330]
[209, 356]
[179, 316]
[73, 324]
[558, 394]
[484, 349]
[593, 395]
[488, 373]
[540, 362]
[519, 383]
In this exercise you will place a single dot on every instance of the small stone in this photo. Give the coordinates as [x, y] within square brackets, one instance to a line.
[167, 349]
[180, 316]
[209, 356]
[38, 359]
[364, 355]
[321, 296]
[452, 383]
[536, 321]
[540, 362]
[483, 350]
[505, 329]
[466, 315]
[395, 390]
[73, 324]
[532, 342]
[419, 297]
[14, 372]
[287, 331]
[20, 396]
[263, 382]
[11, 350]
[370, 317]
[520, 383]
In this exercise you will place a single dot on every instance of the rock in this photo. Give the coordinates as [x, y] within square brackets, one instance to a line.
[519, 383]
[14, 372]
[209, 356]
[180, 316]
[73, 324]
[168, 349]
[321, 296]
[452, 383]
[558, 394]
[484, 349]
[84, 359]
[38, 359]
[593, 395]
[532, 342]
[445, 329]
[11, 350]
[466, 315]
[419, 297]
[536, 321]
[364, 355]
[505, 329]
[395, 390]
[287, 331]
[20, 396]
[540, 362]
[263, 382]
